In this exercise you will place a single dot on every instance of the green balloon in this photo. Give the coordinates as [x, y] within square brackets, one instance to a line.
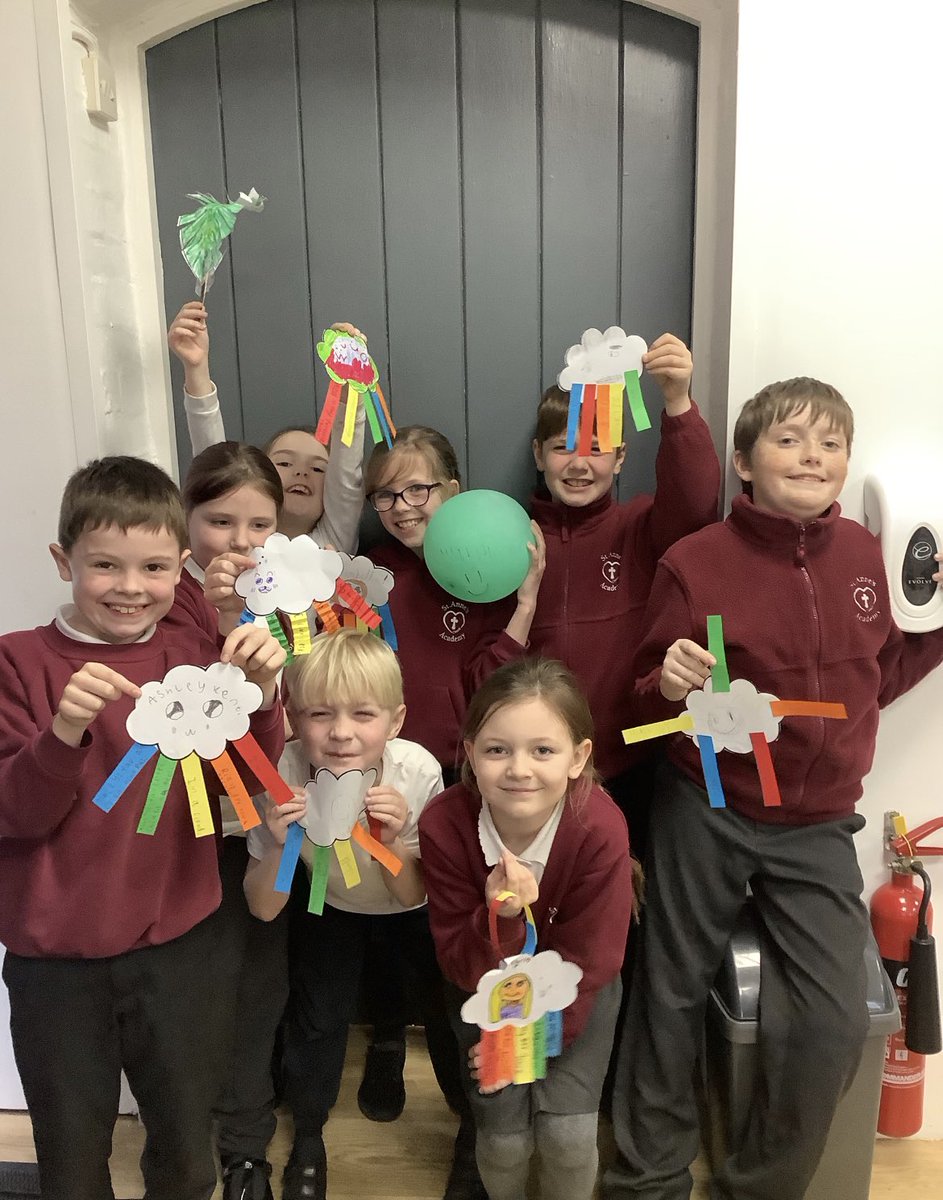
[476, 546]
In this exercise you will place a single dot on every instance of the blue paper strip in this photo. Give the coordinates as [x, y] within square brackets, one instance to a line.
[289, 859]
[123, 775]
[530, 938]
[573, 415]
[554, 1033]
[382, 418]
[715, 789]
[247, 617]
[389, 629]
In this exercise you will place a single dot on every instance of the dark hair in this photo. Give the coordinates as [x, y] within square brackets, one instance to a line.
[777, 401]
[122, 491]
[226, 466]
[433, 446]
[524, 679]
[552, 412]
[291, 429]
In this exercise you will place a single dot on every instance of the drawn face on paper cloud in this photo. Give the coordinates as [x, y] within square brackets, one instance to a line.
[289, 574]
[194, 710]
[522, 991]
[602, 357]
[334, 804]
[373, 583]
[730, 717]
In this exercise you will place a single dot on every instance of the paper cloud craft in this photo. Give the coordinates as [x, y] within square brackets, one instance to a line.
[348, 363]
[365, 600]
[203, 232]
[732, 715]
[597, 373]
[290, 575]
[190, 716]
[332, 819]
[519, 1007]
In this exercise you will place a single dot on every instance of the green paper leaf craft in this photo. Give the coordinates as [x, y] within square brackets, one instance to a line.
[202, 232]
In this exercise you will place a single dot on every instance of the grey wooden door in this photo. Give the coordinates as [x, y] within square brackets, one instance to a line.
[473, 182]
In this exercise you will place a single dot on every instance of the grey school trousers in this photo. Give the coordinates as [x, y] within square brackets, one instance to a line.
[813, 1018]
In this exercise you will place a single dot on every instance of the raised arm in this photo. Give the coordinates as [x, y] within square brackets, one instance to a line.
[189, 340]
[339, 525]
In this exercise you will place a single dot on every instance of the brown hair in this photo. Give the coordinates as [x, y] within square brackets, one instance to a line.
[291, 429]
[434, 447]
[122, 491]
[525, 679]
[778, 401]
[222, 468]
[552, 412]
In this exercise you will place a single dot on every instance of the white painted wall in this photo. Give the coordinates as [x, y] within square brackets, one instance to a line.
[838, 262]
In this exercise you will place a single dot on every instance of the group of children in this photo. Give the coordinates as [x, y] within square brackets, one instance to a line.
[495, 734]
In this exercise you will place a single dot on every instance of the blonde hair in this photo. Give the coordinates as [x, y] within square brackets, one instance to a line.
[347, 667]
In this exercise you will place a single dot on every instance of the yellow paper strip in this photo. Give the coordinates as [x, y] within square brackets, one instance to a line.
[200, 814]
[616, 393]
[348, 864]
[641, 733]
[350, 416]
[300, 633]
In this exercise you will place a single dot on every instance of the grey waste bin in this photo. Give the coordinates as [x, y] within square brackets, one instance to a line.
[728, 1067]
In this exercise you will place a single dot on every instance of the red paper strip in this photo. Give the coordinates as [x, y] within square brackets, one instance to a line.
[358, 606]
[587, 418]
[490, 1058]
[602, 416]
[376, 849]
[263, 770]
[766, 771]
[328, 413]
[807, 708]
[236, 791]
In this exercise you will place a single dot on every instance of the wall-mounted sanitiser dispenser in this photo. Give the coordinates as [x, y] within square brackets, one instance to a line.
[903, 506]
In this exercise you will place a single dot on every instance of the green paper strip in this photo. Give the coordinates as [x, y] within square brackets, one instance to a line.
[715, 643]
[319, 870]
[540, 1048]
[633, 391]
[157, 794]
[275, 629]
[369, 405]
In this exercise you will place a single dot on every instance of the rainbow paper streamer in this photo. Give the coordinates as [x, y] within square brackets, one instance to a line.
[642, 733]
[350, 416]
[357, 604]
[320, 869]
[294, 837]
[263, 770]
[715, 789]
[246, 617]
[192, 769]
[157, 794]
[331, 404]
[275, 629]
[321, 862]
[117, 783]
[587, 420]
[300, 633]
[236, 791]
[347, 863]
[603, 411]
[328, 616]
[769, 785]
[715, 644]
[389, 629]
[602, 403]
[633, 391]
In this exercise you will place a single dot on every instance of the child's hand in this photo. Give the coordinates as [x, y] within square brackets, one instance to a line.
[527, 592]
[279, 816]
[389, 807]
[187, 336]
[474, 1069]
[687, 665]
[509, 875]
[219, 582]
[253, 648]
[669, 361]
[85, 695]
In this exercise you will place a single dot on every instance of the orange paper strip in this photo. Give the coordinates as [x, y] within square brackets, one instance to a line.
[507, 1043]
[263, 770]
[376, 849]
[236, 791]
[603, 391]
[807, 708]
[766, 771]
[328, 616]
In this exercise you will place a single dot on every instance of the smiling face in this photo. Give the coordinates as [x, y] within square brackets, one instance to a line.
[524, 758]
[122, 580]
[407, 522]
[573, 479]
[346, 737]
[301, 462]
[797, 466]
[238, 521]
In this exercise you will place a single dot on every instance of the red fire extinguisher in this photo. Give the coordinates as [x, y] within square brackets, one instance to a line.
[901, 918]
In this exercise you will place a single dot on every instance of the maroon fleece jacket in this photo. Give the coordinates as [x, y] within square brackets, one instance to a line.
[806, 617]
[76, 882]
[582, 911]
[447, 649]
[600, 564]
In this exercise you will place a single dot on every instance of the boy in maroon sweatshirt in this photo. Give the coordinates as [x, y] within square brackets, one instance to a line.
[109, 935]
[601, 555]
[806, 616]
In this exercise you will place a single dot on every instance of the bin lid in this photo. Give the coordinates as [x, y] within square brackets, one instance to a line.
[736, 992]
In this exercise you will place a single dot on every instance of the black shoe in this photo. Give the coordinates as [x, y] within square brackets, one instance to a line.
[382, 1093]
[246, 1179]
[305, 1175]
[464, 1181]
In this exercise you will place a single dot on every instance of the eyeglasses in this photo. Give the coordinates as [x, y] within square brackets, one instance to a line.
[416, 496]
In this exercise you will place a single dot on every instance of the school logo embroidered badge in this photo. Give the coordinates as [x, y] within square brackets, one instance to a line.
[454, 617]
[865, 595]
[611, 567]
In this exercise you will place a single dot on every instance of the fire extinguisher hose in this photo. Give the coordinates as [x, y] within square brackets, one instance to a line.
[923, 1003]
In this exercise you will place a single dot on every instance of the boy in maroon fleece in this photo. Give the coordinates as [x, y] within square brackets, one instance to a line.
[804, 599]
[110, 942]
[601, 555]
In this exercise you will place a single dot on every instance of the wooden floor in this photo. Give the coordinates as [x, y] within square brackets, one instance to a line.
[408, 1159]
